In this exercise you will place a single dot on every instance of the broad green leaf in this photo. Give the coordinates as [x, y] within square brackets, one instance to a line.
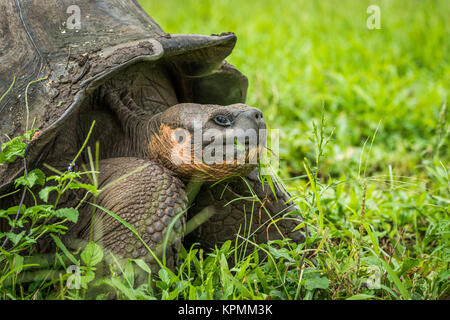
[164, 275]
[15, 237]
[300, 226]
[35, 177]
[44, 193]
[43, 210]
[12, 210]
[280, 253]
[141, 263]
[70, 214]
[92, 254]
[12, 149]
[89, 187]
[317, 283]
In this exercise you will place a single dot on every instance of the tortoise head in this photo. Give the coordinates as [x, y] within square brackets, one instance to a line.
[207, 142]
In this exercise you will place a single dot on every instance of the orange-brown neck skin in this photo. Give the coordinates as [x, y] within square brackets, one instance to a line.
[179, 157]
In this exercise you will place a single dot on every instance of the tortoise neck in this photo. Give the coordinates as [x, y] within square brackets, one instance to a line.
[135, 123]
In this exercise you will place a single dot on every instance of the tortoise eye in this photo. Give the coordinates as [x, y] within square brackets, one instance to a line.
[223, 121]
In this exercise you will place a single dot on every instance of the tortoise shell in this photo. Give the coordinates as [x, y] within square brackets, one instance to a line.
[62, 64]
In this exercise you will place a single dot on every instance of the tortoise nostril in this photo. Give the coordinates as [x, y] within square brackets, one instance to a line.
[257, 114]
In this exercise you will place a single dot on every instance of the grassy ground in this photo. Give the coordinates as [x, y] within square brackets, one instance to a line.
[364, 151]
[383, 183]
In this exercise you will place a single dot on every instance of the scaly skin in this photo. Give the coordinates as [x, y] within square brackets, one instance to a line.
[148, 200]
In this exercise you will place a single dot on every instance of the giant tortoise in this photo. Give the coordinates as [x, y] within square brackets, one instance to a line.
[141, 85]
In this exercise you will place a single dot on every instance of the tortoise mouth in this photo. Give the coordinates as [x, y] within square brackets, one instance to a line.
[232, 150]
[237, 153]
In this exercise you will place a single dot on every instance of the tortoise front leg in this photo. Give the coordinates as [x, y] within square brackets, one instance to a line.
[260, 220]
[149, 199]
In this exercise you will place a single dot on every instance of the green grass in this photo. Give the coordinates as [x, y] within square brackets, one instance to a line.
[386, 205]
[364, 151]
